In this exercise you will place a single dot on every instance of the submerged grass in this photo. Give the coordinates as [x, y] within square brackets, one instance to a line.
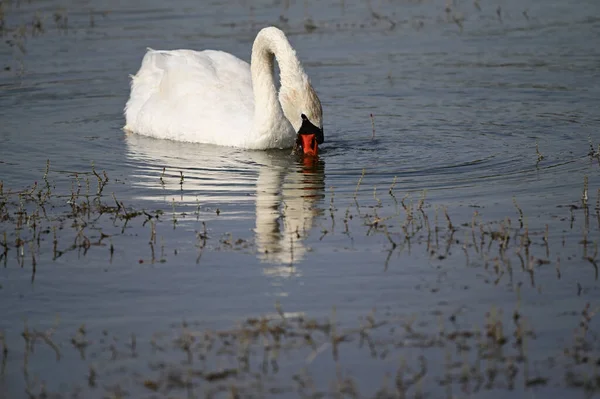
[86, 217]
[280, 354]
[30, 216]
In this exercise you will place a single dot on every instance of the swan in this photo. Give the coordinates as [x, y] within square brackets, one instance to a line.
[214, 97]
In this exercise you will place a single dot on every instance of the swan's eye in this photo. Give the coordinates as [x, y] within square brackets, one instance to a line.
[304, 118]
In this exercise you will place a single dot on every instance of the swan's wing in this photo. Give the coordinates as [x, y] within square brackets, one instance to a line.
[191, 96]
[190, 72]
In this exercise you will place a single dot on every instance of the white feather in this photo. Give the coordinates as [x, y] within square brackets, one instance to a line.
[214, 97]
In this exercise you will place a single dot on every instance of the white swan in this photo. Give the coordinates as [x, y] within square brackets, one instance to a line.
[214, 97]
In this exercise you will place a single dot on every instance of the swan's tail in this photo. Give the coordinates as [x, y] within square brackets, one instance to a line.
[144, 84]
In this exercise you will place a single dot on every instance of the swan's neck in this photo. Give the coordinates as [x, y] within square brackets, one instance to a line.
[271, 44]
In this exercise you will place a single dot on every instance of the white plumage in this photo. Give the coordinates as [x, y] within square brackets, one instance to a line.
[214, 97]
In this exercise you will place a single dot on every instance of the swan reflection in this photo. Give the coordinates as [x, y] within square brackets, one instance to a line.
[286, 190]
[285, 209]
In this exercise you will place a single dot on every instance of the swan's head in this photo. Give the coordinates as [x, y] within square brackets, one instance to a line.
[302, 108]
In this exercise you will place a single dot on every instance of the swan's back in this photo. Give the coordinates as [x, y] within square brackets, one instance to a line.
[195, 96]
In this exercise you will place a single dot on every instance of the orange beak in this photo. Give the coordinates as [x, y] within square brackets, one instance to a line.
[309, 145]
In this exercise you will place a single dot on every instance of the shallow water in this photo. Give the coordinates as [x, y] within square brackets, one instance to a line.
[459, 98]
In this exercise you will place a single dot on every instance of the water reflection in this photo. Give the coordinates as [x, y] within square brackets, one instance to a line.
[286, 190]
[285, 211]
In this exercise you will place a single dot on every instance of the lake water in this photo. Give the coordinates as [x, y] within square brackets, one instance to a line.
[437, 250]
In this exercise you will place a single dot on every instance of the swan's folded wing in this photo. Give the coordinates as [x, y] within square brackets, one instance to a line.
[214, 75]
[191, 93]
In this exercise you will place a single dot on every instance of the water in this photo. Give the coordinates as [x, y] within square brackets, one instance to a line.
[459, 98]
